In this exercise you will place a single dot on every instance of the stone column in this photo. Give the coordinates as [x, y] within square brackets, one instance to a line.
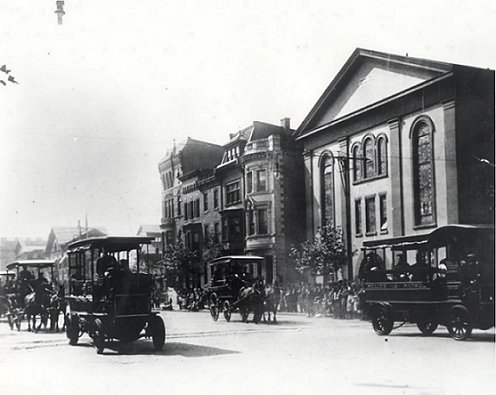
[450, 162]
[308, 167]
[396, 219]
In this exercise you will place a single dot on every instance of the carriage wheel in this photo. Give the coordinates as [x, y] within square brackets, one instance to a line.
[382, 321]
[214, 312]
[427, 327]
[227, 311]
[72, 329]
[157, 330]
[99, 339]
[460, 327]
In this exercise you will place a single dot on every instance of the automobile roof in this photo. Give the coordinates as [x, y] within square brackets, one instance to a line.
[229, 258]
[111, 243]
[415, 241]
[39, 263]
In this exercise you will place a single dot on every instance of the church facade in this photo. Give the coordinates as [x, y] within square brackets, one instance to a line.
[397, 146]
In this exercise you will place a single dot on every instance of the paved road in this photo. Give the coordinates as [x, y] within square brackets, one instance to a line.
[297, 356]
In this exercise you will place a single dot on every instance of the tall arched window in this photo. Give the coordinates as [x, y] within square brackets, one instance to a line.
[381, 156]
[423, 172]
[356, 163]
[327, 184]
[369, 153]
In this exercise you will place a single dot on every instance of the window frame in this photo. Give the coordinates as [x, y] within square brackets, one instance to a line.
[236, 192]
[368, 230]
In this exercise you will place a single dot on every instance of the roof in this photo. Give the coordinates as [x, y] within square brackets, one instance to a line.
[229, 258]
[436, 237]
[430, 69]
[65, 234]
[111, 243]
[41, 263]
[149, 229]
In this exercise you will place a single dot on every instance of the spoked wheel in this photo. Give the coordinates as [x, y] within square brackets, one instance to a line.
[99, 338]
[157, 331]
[460, 326]
[214, 312]
[227, 311]
[72, 329]
[382, 321]
[427, 327]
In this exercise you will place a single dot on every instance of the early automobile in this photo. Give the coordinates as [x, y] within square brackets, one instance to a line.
[445, 278]
[233, 287]
[109, 297]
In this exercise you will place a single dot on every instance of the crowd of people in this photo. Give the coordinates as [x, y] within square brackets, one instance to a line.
[342, 300]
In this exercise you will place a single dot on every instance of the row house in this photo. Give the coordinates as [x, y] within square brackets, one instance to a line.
[397, 146]
[249, 200]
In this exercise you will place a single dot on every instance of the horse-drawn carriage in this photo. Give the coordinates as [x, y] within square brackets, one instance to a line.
[109, 298]
[30, 295]
[233, 287]
[451, 282]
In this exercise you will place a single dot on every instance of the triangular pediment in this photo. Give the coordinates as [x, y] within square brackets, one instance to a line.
[369, 77]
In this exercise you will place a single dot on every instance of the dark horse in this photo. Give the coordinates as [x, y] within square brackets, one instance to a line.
[35, 304]
[272, 297]
[251, 300]
[56, 306]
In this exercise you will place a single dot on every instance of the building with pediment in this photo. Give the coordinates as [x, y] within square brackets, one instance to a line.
[397, 146]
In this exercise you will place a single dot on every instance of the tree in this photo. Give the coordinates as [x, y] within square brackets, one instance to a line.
[324, 255]
[182, 265]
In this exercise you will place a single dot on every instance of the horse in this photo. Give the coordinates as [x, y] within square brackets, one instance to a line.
[272, 297]
[35, 304]
[14, 311]
[251, 299]
[56, 306]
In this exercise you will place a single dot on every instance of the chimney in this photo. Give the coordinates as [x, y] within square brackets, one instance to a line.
[285, 123]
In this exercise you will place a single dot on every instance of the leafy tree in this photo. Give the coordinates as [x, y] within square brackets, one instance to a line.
[182, 265]
[323, 255]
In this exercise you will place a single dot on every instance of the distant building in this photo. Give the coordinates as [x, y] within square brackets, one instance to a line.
[151, 253]
[245, 195]
[397, 146]
[58, 240]
[32, 249]
[9, 249]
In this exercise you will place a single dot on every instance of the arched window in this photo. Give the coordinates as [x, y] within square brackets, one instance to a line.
[381, 156]
[356, 163]
[369, 153]
[327, 185]
[423, 172]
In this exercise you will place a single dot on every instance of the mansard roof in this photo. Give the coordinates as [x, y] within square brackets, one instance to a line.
[367, 78]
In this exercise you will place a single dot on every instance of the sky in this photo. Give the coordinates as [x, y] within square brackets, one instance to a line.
[103, 96]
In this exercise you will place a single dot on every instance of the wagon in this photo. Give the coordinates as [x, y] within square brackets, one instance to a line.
[229, 275]
[110, 299]
[442, 278]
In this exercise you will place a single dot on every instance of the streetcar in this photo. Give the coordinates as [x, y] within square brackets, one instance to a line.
[444, 278]
[110, 298]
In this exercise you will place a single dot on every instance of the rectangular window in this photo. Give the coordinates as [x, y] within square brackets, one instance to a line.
[205, 202]
[249, 182]
[216, 198]
[217, 232]
[191, 209]
[261, 180]
[383, 212]
[225, 227]
[235, 231]
[197, 208]
[185, 211]
[251, 223]
[233, 193]
[358, 217]
[179, 205]
[206, 232]
[370, 226]
[262, 222]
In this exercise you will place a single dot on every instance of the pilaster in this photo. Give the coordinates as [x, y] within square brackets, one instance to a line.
[397, 224]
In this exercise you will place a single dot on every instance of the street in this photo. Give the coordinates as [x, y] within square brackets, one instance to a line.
[298, 355]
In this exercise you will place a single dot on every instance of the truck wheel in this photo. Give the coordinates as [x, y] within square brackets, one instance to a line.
[72, 329]
[460, 326]
[157, 330]
[427, 327]
[382, 321]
